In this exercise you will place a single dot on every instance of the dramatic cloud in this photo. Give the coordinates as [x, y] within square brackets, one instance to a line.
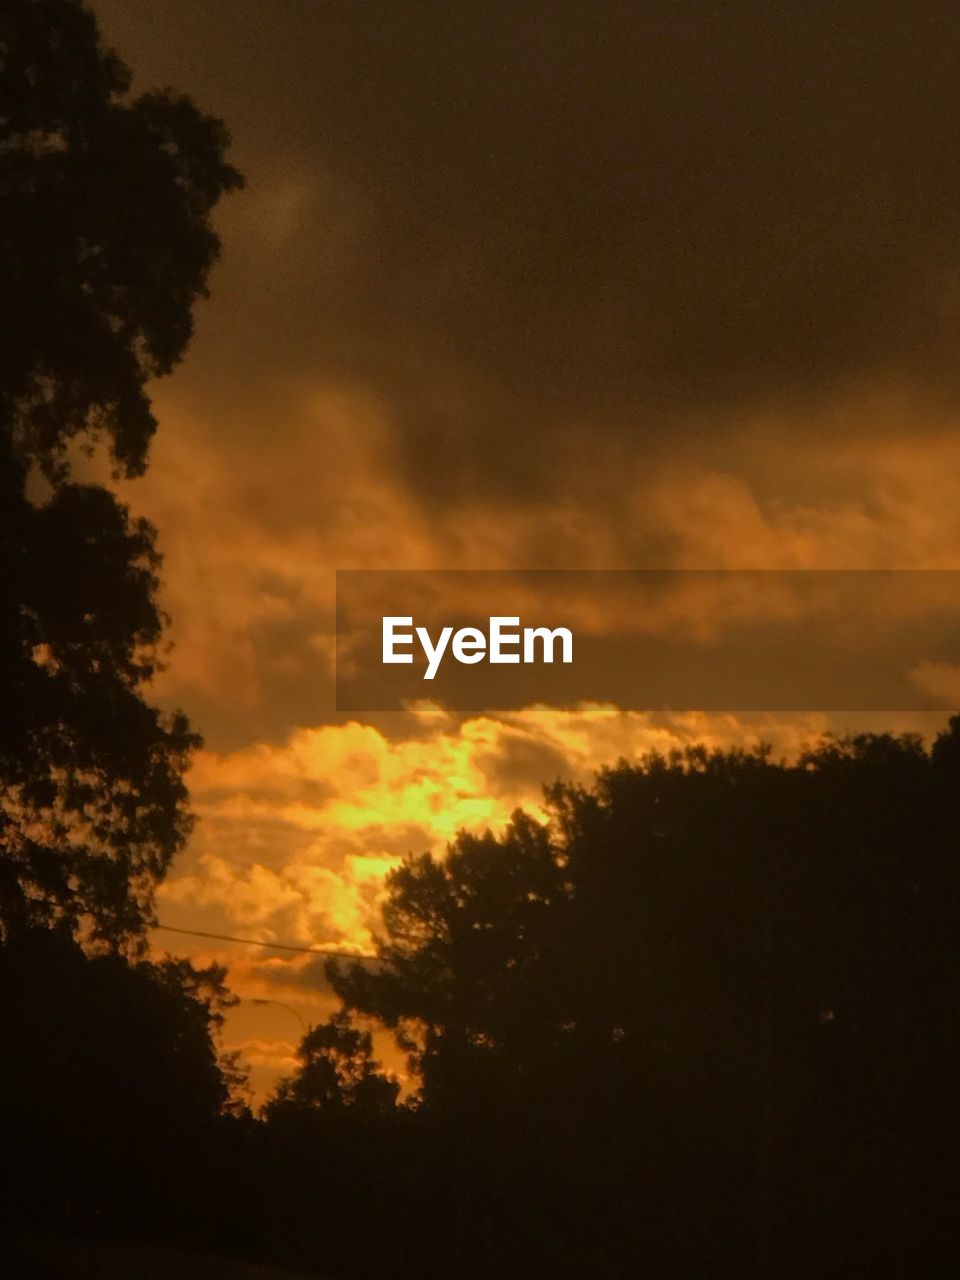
[252, 539]
[520, 223]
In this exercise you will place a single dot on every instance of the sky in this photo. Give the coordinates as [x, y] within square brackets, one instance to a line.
[523, 285]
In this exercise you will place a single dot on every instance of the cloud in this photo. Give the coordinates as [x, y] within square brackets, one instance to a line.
[610, 287]
[252, 540]
[941, 680]
[295, 839]
[276, 1054]
[526, 226]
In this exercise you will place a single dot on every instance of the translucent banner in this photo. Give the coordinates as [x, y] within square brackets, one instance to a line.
[710, 640]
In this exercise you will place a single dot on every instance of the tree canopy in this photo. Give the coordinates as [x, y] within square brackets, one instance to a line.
[703, 1019]
[337, 1073]
[105, 234]
[106, 243]
[112, 1091]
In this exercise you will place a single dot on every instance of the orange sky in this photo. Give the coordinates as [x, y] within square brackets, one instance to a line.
[474, 314]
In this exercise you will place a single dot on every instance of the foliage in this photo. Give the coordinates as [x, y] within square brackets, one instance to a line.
[112, 1097]
[337, 1072]
[115, 1106]
[705, 1015]
[106, 241]
[105, 245]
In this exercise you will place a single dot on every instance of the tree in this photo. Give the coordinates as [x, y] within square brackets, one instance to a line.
[335, 1141]
[115, 1100]
[463, 980]
[705, 1017]
[106, 240]
[106, 243]
[112, 1099]
[337, 1073]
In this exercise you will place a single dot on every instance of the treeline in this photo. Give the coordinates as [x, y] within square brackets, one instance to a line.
[703, 1022]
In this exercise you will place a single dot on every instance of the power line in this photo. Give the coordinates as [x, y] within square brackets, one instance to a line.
[276, 946]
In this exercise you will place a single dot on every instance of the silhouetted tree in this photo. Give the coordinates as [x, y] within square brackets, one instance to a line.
[113, 1097]
[466, 943]
[704, 1021]
[111, 1091]
[105, 245]
[105, 234]
[337, 1072]
[338, 1156]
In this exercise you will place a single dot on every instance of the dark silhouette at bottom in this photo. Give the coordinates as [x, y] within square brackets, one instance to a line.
[703, 1023]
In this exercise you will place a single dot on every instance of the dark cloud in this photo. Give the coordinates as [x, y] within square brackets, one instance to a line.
[309, 976]
[529, 224]
[522, 763]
